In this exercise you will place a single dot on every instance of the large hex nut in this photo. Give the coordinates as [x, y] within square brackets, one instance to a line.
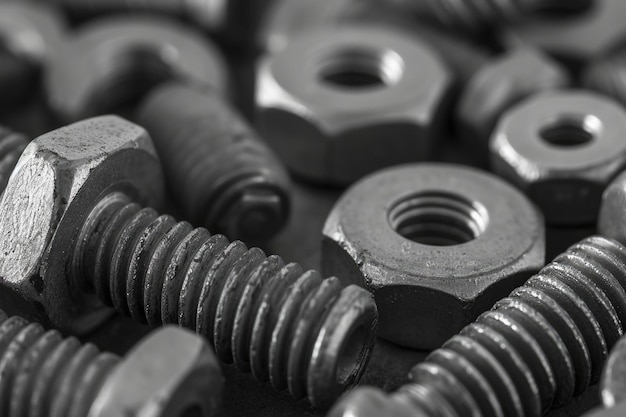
[114, 61]
[497, 86]
[562, 149]
[578, 38]
[340, 102]
[57, 181]
[437, 245]
[172, 372]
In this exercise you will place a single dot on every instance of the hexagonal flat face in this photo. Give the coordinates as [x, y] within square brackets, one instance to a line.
[562, 149]
[172, 372]
[436, 244]
[341, 102]
[56, 182]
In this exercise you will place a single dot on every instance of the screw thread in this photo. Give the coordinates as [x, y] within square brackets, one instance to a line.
[11, 147]
[283, 324]
[608, 76]
[536, 348]
[44, 374]
[224, 176]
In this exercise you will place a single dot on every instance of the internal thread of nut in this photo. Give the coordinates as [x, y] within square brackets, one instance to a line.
[438, 218]
[222, 173]
[535, 349]
[570, 132]
[360, 68]
[44, 374]
[11, 147]
[265, 316]
[608, 76]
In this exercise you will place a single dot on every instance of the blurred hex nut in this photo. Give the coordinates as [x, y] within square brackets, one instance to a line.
[612, 217]
[171, 373]
[340, 102]
[56, 182]
[562, 149]
[497, 86]
[114, 61]
[437, 245]
[580, 37]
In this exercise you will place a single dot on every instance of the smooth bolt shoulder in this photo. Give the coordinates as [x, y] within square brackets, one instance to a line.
[56, 181]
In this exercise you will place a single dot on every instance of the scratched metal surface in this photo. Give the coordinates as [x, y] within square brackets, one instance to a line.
[298, 242]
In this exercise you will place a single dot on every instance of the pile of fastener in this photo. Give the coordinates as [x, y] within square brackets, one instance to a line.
[463, 163]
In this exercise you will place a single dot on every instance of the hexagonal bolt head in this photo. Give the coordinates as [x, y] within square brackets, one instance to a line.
[57, 181]
[340, 102]
[170, 373]
[562, 149]
[497, 86]
[436, 244]
[593, 32]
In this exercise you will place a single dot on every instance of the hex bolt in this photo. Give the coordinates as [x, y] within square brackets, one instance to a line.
[534, 350]
[12, 145]
[223, 175]
[311, 335]
[45, 374]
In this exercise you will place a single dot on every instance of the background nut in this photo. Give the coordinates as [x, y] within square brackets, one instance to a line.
[562, 149]
[437, 245]
[612, 217]
[578, 38]
[340, 102]
[114, 61]
[53, 188]
[171, 373]
[497, 86]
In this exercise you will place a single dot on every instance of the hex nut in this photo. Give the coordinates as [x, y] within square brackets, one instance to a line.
[58, 179]
[340, 102]
[437, 245]
[497, 86]
[612, 217]
[171, 373]
[114, 61]
[562, 149]
[579, 38]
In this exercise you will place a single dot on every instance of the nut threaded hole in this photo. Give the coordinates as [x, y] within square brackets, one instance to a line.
[571, 131]
[438, 218]
[361, 68]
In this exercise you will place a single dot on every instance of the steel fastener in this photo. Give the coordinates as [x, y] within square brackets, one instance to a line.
[112, 62]
[338, 103]
[81, 187]
[169, 373]
[534, 350]
[221, 172]
[436, 244]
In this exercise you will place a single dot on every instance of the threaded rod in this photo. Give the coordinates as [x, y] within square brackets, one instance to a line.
[301, 332]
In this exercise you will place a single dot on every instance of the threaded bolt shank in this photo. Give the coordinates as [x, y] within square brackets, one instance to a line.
[224, 176]
[275, 319]
[11, 147]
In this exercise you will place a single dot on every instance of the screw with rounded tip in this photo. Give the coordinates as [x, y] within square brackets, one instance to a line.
[44, 374]
[286, 325]
[224, 176]
[534, 350]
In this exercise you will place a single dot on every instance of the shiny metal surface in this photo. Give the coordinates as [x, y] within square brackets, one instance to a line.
[339, 103]
[562, 149]
[436, 244]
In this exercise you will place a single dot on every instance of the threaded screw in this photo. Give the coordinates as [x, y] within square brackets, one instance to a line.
[224, 176]
[12, 145]
[301, 332]
[534, 350]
